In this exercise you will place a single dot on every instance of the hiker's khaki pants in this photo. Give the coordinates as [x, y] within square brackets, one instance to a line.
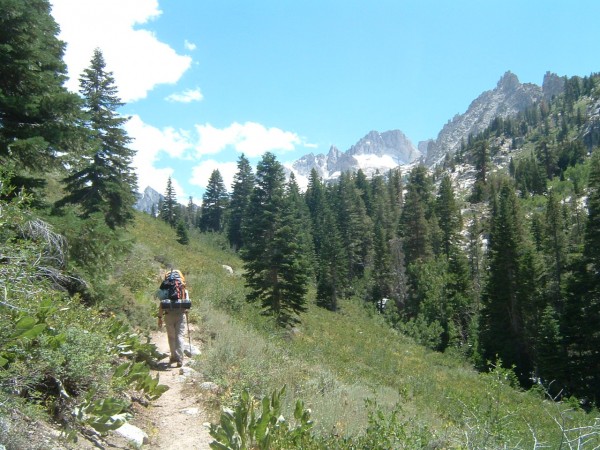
[175, 324]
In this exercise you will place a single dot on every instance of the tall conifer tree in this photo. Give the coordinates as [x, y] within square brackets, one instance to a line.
[511, 303]
[243, 183]
[38, 116]
[169, 208]
[356, 227]
[582, 314]
[274, 253]
[214, 204]
[104, 180]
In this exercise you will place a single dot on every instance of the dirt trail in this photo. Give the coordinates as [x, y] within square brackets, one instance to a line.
[176, 420]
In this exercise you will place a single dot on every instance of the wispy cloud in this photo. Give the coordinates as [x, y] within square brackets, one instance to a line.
[138, 60]
[188, 96]
[189, 45]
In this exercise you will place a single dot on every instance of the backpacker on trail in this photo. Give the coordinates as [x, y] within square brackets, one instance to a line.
[173, 293]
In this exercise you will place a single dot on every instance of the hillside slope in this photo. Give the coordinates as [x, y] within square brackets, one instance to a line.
[334, 362]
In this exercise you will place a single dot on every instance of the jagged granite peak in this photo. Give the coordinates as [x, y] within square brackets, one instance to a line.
[147, 200]
[552, 85]
[374, 152]
[507, 99]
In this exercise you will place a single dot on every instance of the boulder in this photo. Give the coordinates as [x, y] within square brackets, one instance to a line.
[133, 434]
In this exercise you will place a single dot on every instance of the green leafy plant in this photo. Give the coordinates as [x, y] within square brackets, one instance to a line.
[243, 428]
[103, 414]
[26, 329]
[137, 375]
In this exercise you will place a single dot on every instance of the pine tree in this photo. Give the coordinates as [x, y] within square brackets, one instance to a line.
[481, 157]
[190, 213]
[330, 261]
[511, 305]
[448, 214]
[555, 246]
[38, 116]
[104, 180]
[169, 210]
[243, 183]
[182, 233]
[356, 228]
[414, 224]
[582, 310]
[214, 203]
[274, 253]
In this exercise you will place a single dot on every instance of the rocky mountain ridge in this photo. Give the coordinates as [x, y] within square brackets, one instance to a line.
[381, 151]
[507, 99]
[374, 152]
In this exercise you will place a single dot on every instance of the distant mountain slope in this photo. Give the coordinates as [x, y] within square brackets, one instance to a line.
[381, 151]
[374, 152]
[508, 98]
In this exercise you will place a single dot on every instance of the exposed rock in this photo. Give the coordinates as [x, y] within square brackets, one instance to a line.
[210, 386]
[552, 85]
[148, 200]
[190, 351]
[508, 99]
[374, 152]
[133, 434]
[187, 372]
[191, 411]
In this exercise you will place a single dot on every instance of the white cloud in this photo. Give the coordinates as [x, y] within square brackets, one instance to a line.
[250, 138]
[201, 173]
[149, 142]
[190, 95]
[138, 60]
[189, 45]
[152, 144]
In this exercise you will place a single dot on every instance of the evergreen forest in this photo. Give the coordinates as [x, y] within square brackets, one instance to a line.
[460, 303]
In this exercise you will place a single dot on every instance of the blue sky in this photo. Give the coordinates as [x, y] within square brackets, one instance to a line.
[204, 81]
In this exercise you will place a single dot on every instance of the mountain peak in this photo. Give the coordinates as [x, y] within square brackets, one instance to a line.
[509, 81]
[508, 98]
[376, 151]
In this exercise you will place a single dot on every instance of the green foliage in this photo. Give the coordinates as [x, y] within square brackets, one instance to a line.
[102, 180]
[103, 414]
[214, 202]
[392, 430]
[182, 233]
[137, 375]
[277, 251]
[245, 428]
[39, 116]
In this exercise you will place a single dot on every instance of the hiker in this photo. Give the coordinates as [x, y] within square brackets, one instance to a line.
[173, 308]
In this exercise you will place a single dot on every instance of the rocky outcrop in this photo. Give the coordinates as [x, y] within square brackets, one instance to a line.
[508, 99]
[147, 200]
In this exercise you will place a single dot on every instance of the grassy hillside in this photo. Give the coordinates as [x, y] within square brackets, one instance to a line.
[348, 367]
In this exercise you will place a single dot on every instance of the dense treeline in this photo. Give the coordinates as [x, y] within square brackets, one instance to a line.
[502, 267]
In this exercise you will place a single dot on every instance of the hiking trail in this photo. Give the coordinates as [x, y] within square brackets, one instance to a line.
[176, 420]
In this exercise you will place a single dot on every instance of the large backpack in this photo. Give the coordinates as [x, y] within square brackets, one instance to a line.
[174, 284]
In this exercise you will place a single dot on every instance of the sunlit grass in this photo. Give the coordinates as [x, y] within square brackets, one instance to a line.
[334, 362]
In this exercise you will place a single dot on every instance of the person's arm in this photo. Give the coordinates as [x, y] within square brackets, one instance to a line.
[160, 316]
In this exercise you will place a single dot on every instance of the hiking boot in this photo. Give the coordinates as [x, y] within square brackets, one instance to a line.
[179, 364]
